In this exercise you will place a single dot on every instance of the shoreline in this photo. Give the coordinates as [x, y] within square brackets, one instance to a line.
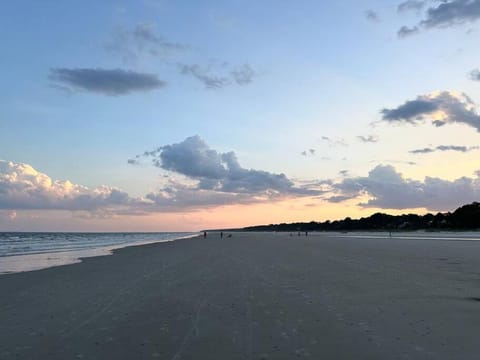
[12, 264]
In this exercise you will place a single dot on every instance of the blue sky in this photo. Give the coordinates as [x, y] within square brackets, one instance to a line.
[86, 86]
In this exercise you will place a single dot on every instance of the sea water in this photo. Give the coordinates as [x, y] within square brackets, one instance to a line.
[32, 251]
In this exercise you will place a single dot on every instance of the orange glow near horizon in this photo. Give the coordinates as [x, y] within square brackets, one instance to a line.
[232, 216]
[287, 211]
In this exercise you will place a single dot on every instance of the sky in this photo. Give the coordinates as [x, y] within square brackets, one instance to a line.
[163, 115]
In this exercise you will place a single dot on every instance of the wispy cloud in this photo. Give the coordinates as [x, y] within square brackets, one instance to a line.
[111, 82]
[372, 16]
[143, 42]
[334, 142]
[457, 148]
[390, 161]
[216, 76]
[243, 74]
[309, 152]
[409, 5]
[368, 138]
[132, 44]
[405, 31]
[205, 76]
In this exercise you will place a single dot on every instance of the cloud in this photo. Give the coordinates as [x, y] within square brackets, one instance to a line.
[411, 5]
[146, 32]
[24, 188]
[133, 161]
[204, 75]
[176, 196]
[193, 158]
[475, 75]
[423, 151]
[454, 12]
[446, 14]
[334, 142]
[142, 40]
[338, 199]
[218, 76]
[199, 178]
[411, 109]
[444, 148]
[440, 108]
[111, 82]
[213, 171]
[368, 138]
[405, 31]
[411, 163]
[372, 16]
[309, 152]
[243, 75]
[388, 189]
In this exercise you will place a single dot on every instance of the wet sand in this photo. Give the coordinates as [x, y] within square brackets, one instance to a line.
[252, 296]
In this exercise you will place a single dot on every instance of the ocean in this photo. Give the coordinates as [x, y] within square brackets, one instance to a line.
[33, 251]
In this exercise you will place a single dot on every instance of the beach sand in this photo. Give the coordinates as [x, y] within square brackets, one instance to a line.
[252, 296]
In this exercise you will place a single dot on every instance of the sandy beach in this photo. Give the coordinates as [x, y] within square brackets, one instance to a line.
[252, 296]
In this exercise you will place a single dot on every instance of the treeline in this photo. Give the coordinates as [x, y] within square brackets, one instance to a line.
[464, 218]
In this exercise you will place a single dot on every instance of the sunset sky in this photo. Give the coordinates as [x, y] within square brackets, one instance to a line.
[163, 115]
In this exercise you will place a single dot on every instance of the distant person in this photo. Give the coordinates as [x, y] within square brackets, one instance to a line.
[204, 234]
[306, 233]
[221, 234]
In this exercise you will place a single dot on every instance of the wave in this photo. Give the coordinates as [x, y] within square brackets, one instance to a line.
[33, 251]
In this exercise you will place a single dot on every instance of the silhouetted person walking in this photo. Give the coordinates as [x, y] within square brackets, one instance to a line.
[204, 234]
[221, 234]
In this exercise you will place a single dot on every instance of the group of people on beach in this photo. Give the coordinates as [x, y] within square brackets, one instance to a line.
[299, 233]
[221, 235]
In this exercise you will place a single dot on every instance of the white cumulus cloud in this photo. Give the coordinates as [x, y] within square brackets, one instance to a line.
[23, 187]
